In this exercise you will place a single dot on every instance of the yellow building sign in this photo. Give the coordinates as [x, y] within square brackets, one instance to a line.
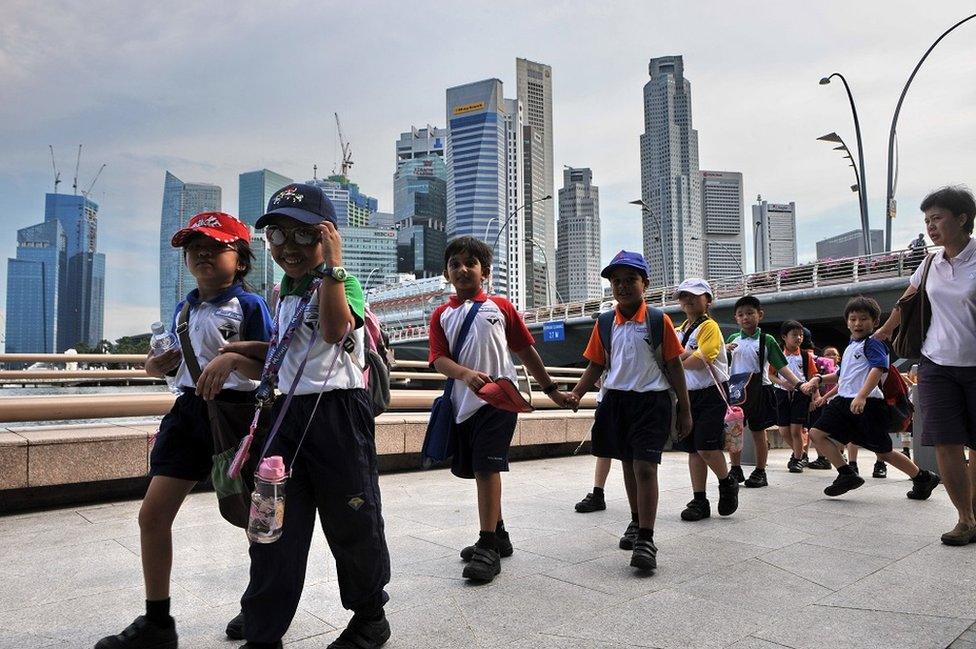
[468, 108]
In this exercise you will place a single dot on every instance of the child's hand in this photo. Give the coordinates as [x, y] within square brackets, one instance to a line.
[331, 243]
[731, 347]
[564, 399]
[816, 403]
[684, 424]
[215, 374]
[475, 380]
[857, 405]
[808, 388]
[164, 363]
[250, 348]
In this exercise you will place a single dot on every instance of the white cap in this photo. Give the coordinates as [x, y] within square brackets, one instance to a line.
[695, 286]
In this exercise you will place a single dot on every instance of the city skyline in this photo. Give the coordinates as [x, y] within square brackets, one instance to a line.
[597, 112]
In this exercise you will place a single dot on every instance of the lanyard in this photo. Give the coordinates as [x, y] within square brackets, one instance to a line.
[277, 349]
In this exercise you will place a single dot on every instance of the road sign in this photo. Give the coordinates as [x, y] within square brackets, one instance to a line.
[554, 331]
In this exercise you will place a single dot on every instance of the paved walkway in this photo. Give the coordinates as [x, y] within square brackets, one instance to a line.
[790, 569]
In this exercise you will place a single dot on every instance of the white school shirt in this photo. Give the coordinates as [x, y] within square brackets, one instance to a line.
[745, 356]
[951, 289]
[699, 379]
[860, 357]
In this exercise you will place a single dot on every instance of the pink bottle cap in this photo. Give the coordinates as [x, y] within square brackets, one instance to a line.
[272, 468]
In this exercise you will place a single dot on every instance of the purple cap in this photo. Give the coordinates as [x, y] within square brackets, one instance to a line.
[633, 260]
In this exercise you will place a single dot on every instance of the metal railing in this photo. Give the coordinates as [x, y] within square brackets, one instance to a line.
[851, 270]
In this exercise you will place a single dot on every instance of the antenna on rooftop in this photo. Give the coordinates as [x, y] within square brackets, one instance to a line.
[54, 165]
[315, 172]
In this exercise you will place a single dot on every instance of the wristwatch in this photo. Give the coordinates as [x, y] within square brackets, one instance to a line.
[338, 273]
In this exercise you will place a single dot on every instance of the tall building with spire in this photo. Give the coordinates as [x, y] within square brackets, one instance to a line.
[670, 179]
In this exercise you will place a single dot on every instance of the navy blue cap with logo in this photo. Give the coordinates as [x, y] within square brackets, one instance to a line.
[302, 202]
[630, 260]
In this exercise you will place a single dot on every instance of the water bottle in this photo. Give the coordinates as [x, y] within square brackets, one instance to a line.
[268, 501]
[163, 341]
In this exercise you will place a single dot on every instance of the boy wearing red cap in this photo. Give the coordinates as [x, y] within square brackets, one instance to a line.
[216, 250]
[636, 351]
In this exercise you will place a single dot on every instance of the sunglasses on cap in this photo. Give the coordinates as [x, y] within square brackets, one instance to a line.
[278, 235]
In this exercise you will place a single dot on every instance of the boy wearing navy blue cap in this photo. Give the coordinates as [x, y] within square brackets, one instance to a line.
[636, 351]
[334, 471]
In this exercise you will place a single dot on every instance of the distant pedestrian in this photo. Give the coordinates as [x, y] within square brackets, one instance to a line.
[792, 406]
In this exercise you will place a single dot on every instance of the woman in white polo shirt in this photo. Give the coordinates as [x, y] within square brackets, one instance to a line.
[947, 369]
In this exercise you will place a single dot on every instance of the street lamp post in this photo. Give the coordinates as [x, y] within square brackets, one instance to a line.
[666, 274]
[890, 207]
[726, 247]
[863, 193]
[545, 260]
[509, 219]
[368, 277]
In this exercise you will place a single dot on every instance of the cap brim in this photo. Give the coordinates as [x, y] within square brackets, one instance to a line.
[694, 291]
[217, 235]
[605, 273]
[291, 212]
[504, 395]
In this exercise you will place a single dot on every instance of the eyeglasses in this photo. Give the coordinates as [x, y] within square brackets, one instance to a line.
[277, 236]
[210, 247]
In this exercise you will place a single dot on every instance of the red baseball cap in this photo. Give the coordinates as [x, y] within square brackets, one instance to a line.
[504, 395]
[216, 225]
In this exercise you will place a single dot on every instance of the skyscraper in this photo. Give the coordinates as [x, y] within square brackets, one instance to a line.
[81, 304]
[420, 214]
[180, 202]
[534, 83]
[370, 254]
[513, 226]
[34, 286]
[670, 182]
[578, 241]
[254, 190]
[421, 143]
[849, 244]
[477, 167]
[723, 223]
[775, 238]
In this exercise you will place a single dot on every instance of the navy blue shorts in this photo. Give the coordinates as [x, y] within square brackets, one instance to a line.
[792, 407]
[483, 440]
[947, 400]
[632, 425]
[708, 422]
[868, 430]
[184, 444]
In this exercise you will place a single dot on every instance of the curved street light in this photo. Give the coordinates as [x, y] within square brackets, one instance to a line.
[890, 206]
[863, 193]
[666, 267]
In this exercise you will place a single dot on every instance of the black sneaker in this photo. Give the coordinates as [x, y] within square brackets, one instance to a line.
[820, 463]
[235, 628]
[483, 566]
[627, 540]
[794, 465]
[142, 634]
[757, 479]
[644, 556]
[804, 461]
[505, 548]
[592, 503]
[274, 645]
[696, 510]
[853, 465]
[361, 633]
[880, 470]
[728, 497]
[736, 472]
[843, 483]
[923, 484]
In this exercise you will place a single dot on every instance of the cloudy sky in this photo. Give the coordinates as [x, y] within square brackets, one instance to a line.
[209, 90]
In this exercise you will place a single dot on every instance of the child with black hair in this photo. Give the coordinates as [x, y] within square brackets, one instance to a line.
[484, 432]
[221, 313]
[859, 414]
[793, 406]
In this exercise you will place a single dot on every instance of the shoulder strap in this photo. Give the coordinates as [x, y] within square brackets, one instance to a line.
[183, 332]
[655, 336]
[459, 343]
[686, 334]
[762, 351]
[925, 271]
[604, 328]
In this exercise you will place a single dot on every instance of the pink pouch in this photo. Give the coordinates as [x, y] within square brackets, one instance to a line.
[734, 427]
[243, 451]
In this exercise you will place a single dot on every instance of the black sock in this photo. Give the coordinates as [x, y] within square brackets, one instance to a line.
[488, 541]
[633, 517]
[700, 495]
[846, 469]
[645, 534]
[921, 475]
[157, 611]
[370, 614]
[598, 491]
[500, 529]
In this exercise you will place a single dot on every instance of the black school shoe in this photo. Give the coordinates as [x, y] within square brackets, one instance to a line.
[505, 548]
[644, 556]
[728, 497]
[142, 634]
[263, 645]
[880, 470]
[696, 510]
[736, 472]
[843, 483]
[361, 633]
[794, 465]
[820, 463]
[923, 484]
[630, 535]
[757, 479]
[235, 628]
[592, 503]
[484, 565]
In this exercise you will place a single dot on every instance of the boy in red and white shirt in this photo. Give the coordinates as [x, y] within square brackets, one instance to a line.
[483, 432]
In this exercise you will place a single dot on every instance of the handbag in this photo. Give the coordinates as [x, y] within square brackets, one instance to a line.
[916, 315]
[440, 438]
[734, 418]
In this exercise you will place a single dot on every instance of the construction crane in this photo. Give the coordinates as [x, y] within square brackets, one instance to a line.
[74, 184]
[346, 151]
[57, 174]
[86, 192]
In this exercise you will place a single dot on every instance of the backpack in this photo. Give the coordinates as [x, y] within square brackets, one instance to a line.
[900, 407]
[376, 373]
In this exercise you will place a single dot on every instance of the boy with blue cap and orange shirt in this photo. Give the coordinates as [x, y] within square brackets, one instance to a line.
[636, 352]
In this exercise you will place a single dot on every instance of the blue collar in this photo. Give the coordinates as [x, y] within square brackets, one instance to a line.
[232, 291]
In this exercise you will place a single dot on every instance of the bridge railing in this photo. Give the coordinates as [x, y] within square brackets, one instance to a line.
[851, 270]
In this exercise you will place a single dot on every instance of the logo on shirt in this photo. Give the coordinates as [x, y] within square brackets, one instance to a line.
[492, 320]
[311, 317]
[227, 330]
[230, 314]
[858, 355]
